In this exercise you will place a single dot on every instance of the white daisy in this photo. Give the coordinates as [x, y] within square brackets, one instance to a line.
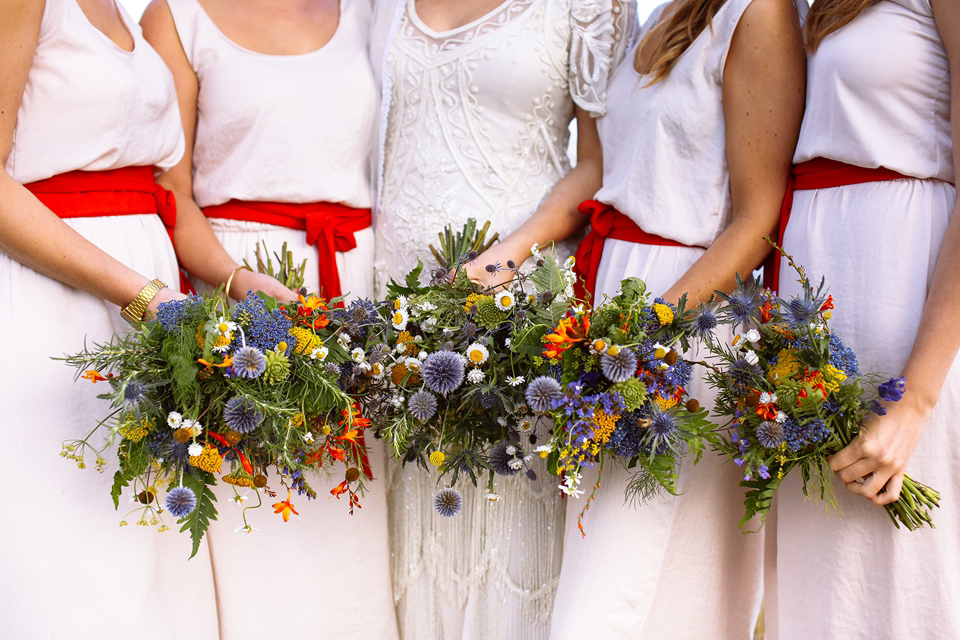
[475, 376]
[477, 354]
[320, 353]
[399, 319]
[504, 300]
[195, 449]
[515, 381]
[357, 355]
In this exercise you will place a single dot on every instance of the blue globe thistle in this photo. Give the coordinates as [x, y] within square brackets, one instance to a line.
[181, 501]
[743, 375]
[705, 322]
[619, 367]
[448, 502]
[502, 455]
[542, 392]
[178, 452]
[249, 362]
[489, 399]
[133, 393]
[663, 424]
[423, 405]
[357, 317]
[241, 414]
[442, 372]
[741, 303]
[770, 434]
[800, 311]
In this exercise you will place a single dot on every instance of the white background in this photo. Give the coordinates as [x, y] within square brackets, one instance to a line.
[135, 7]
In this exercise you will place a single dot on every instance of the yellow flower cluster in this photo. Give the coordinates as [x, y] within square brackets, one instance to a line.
[437, 458]
[665, 403]
[307, 340]
[832, 377]
[210, 460]
[472, 299]
[239, 480]
[406, 338]
[606, 423]
[133, 430]
[782, 459]
[296, 421]
[664, 313]
[787, 365]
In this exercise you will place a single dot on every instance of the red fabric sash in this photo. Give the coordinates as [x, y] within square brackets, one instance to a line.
[115, 192]
[329, 226]
[818, 173]
[607, 222]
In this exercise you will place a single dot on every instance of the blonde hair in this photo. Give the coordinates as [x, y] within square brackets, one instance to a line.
[826, 16]
[677, 33]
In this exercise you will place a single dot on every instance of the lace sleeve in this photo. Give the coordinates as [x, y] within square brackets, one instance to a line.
[602, 32]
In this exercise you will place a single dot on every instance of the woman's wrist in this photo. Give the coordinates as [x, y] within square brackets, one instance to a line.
[134, 310]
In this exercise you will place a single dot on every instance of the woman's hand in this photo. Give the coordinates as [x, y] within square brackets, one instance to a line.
[880, 452]
[498, 254]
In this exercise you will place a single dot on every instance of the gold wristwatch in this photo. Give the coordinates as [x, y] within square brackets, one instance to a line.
[133, 312]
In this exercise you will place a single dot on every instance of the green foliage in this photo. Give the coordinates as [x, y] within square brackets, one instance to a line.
[198, 520]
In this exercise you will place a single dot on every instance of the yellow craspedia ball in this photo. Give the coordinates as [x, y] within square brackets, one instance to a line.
[437, 458]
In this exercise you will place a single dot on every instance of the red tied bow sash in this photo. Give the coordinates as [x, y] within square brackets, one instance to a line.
[115, 192]
[607, 222]
[818, 173]
[329, 226]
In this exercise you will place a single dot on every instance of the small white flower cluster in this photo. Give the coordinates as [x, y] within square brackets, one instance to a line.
[570, 483]
[745, 343]
[225, 329]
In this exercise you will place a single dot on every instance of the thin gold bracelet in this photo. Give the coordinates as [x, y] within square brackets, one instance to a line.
[133, 312]
[226, 291]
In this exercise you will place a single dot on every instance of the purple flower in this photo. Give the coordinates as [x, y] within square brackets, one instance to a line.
[893, 389]
[448, 502]
[542, 392]
[181, 501]
[619, 367]
[442, 372]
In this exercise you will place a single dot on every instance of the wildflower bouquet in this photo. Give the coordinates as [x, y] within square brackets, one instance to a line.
[454, 359]
[795, 395]
[204, 391]
[616, 391]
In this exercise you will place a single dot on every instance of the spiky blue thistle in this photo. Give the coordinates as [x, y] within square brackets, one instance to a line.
[241, 414]
[442, 372]
[181, 501]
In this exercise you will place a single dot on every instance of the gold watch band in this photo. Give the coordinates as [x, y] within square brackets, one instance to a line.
[133, 312]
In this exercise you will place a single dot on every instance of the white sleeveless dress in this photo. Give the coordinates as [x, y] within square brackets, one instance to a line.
[474, 124]
[284, 128]
[878, 94]
[68, 569]
[676, 566]
[289, 141]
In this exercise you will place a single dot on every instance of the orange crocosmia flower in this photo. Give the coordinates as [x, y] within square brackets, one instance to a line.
[568, 332]
[826, 306]
[340, 489]
[226, 362]
[337, 454]
[351, 435]
[92, 375]
[285, 508]
[766, 311]
[767, 411]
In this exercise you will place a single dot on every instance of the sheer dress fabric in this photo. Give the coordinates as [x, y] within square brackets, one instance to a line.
[878, 95]
[69, 570]
[474, 124]
[283, 128]
[675, 566]
[292, 128]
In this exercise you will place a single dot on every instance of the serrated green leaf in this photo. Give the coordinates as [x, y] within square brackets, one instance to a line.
[119, 482]
[198, 520]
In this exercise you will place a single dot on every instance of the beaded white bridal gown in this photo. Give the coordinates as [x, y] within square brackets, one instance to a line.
[475, 124]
